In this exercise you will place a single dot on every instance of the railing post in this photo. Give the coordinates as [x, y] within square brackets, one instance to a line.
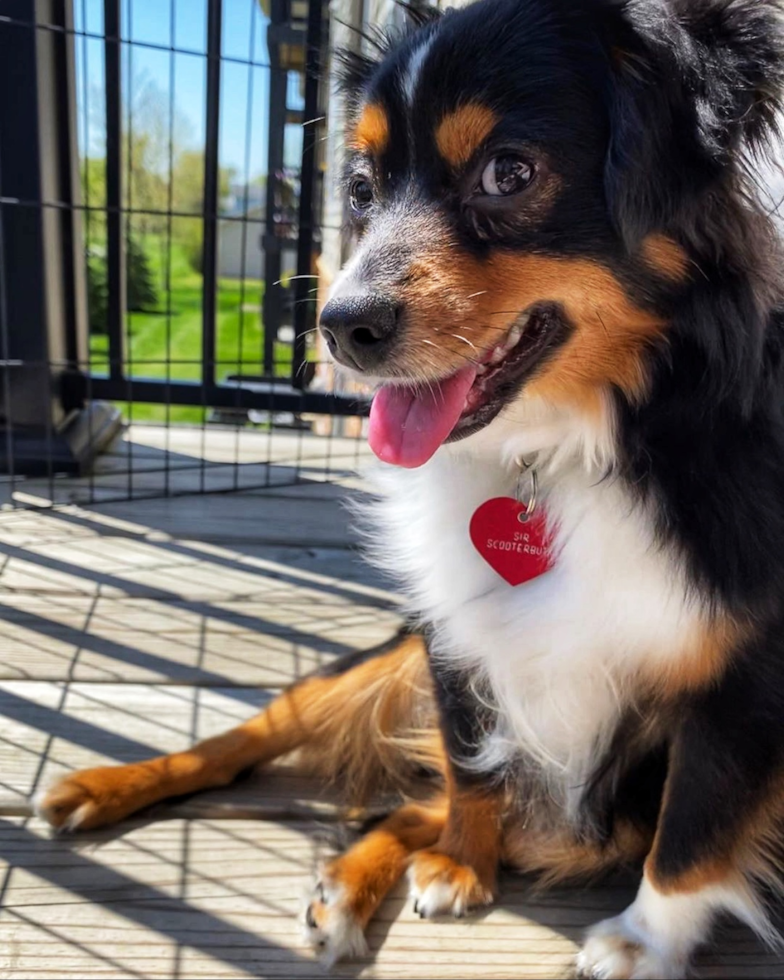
[304, 311]
[272, 303]
[43, 420]
[115, 240]
[211, 193]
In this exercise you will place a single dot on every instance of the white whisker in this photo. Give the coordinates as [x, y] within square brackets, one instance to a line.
[466, 341]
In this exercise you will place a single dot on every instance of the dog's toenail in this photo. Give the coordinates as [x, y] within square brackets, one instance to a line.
[310, 918]
[416, 906]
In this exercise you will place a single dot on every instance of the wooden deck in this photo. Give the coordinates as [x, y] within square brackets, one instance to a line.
[135, 628]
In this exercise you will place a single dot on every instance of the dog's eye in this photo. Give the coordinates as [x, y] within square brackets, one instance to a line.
[360, 194]
[506, 175]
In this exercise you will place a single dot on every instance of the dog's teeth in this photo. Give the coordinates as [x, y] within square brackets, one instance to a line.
[500, 352]
[514, 336]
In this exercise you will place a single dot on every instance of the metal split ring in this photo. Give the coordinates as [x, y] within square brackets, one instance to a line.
[524, 516]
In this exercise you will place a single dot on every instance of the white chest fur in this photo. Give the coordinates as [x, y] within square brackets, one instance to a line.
[561, 653]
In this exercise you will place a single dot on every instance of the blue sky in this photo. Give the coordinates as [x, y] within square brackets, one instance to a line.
[182, 24]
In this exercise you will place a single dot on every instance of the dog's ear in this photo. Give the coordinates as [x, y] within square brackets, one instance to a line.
[696, 88]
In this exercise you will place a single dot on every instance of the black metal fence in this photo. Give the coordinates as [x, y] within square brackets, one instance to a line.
[161, 189]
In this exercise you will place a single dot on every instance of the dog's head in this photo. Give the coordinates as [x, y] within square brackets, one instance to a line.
[534, 183]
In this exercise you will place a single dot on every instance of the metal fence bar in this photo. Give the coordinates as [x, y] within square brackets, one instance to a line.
[68, 181]
[167, 271]
[137, 42]
[5, 349]
[303, 310]
[153, 212]
[244, 229]
[115, 257]
[211, 192]
[274, 400]
[130, 149]
[225, 396]
[272, 303]
[85, 93]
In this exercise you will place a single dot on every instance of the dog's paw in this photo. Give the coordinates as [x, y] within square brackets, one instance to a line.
[332, 927]
[439, 885]
[613, 952]
[91, 798]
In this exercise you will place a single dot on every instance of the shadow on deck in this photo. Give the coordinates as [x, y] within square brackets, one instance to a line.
[134, 628]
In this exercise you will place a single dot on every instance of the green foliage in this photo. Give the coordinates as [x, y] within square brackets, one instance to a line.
[97, 293]
[140, 289]
[141, 293]
[165, 253]
[190, 233]
[151, 335]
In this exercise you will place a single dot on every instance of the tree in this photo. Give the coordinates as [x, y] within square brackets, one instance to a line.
[140, 293]
[97, 293]
[153, 139]
[189, 197]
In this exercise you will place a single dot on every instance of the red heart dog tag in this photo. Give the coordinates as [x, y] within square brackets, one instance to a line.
[518, 551]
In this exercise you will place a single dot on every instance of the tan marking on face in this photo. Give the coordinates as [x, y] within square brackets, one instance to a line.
[666, 257]
[466, 306]
[610, 339]
[371, 133]
[460, 133]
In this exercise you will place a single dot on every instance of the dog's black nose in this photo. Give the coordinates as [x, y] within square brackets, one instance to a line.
[360, 330]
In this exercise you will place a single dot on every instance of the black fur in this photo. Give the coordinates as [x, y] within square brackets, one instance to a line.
[465, 721]
[726, 749]
[653, 113]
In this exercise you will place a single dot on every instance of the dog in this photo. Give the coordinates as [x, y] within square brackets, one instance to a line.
[569, 297]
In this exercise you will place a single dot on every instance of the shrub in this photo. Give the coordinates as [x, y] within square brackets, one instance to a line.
[140, 287]
[141, 293]
[97, 292]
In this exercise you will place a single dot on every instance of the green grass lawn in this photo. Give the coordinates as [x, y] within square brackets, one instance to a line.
[154, 337]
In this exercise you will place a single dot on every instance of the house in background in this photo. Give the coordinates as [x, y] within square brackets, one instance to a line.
[243, 217]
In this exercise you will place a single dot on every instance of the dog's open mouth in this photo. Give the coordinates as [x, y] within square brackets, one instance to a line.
[409, 423]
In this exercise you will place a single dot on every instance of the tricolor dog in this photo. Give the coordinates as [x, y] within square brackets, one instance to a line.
[569, 300]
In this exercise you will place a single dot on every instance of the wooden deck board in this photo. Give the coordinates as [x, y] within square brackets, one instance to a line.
[135, 628]
[207, 898]
[86, 597]
[222, 649]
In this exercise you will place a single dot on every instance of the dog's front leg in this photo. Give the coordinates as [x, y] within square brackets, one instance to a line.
[721, 810]
[459, 872]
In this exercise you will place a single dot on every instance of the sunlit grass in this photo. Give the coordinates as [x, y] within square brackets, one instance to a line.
[167, 343]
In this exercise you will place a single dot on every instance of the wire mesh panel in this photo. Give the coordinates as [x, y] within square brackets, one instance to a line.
[161, 190]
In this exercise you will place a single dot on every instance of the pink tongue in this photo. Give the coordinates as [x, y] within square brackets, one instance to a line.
[408, 426]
